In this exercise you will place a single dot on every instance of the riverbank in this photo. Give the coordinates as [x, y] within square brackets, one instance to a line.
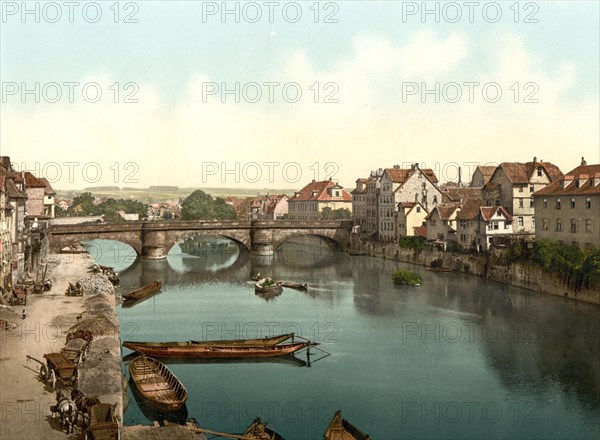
[528, 276]
[49, 318]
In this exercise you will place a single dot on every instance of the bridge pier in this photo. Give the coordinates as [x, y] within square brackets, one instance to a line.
[154, 245]
[262, 242]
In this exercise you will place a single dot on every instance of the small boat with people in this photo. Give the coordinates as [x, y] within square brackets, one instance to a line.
[157, 384]
[342, 429]
[218, 352]
[267, 286]
[143, 292]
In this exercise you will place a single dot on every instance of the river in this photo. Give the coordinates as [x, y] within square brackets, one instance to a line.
[459, 357]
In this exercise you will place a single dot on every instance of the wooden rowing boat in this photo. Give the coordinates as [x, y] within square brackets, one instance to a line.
[157, 384]
[219, 352]
[341, 429]
[438, 269]
[291, 285]
[142, 347]
[258, 430]
[143, 292]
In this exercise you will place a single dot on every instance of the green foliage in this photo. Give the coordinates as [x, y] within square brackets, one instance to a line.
[412, 242]
[167, 215]
[201, 206]
[336, 214]
[406, 278]
[109, 209]
[575, 267]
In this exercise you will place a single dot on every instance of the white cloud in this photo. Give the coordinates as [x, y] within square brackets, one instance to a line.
[370, 127]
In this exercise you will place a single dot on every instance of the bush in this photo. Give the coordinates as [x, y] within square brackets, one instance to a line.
[406, 278]
[412, 242]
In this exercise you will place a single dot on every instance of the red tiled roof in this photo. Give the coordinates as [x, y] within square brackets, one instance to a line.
[420, 231]
[12, 190]
[487, 212]
[462, 194]
[49, 190]
[518, 172]
[33, 182]
[318, 191]
[570, 183]
[401, 175]
[444, 211]
[469, 209]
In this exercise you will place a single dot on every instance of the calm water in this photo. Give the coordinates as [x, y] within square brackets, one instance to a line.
[459, 357]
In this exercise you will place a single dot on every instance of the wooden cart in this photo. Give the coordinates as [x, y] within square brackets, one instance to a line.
[19, 296]
[102, 423]
[57, 368]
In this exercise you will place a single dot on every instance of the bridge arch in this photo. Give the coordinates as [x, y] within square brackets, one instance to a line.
[177, 236]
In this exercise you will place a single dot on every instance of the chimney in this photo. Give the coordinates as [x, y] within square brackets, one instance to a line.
[583, 162]
[534, 160]
[459, 177]
[396, 167]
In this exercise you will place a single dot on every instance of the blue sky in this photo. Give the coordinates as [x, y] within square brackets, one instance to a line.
[369, 58]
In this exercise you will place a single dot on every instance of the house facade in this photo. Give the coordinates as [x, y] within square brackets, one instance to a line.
[568, 210]
[479, 227]
[409, 217]
[482, 175]
[372, 188]
[441, 222]
[359, 204]
[404, 185]
[513, 184]
[308, 203]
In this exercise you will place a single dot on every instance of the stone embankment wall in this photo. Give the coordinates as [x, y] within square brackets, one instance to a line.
[526, 275]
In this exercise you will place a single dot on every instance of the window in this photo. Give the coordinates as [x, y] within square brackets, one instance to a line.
[545, 224]
[558, 225]
[520, 221]
[557, 203]
[531, 202]
[588, 203]
[520, 189]
[520, 203]
[572, 203]
[435, 199]
[337, 193]
[545, 203]
[533, 222]
[539, 171]
[531, 188]
[506, 225]
[418, 209]
[497, 202]
[588, 225]
[573, 225]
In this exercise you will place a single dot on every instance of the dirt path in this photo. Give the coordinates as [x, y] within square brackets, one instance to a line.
[24, 400]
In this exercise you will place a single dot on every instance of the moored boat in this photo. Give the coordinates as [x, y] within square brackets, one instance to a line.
[143, 292]
[157, 384]
[258, 430]
[218, 352]
[341, 429]
[438, 269]
[291, 285]
[267, 286]
[192, 345]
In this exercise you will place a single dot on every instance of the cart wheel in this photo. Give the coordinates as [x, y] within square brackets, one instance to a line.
[52, 380]
[44, 373]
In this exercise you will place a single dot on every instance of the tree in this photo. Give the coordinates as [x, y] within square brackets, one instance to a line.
[167, 215]
[336, 214]
[201, 206]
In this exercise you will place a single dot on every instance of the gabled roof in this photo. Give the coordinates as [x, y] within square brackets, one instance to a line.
[33, 182]
[444, 210]
[49, 190]
[12, 190]
[488, 212]
[487, 171]
[568, 184]
[411, 206]
[518, 172]
[317, 191]
[461, 194]
[469, 209]
[401, 175]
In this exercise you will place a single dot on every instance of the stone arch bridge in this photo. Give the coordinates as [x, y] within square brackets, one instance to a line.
[153, 240]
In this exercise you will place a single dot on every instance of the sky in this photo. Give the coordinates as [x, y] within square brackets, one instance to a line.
[275, 94]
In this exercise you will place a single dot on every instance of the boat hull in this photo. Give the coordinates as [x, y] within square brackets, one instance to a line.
[157, 385]
[219, 352]
[143, 292]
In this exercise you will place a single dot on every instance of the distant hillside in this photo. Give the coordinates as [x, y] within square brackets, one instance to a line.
[156, 193]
